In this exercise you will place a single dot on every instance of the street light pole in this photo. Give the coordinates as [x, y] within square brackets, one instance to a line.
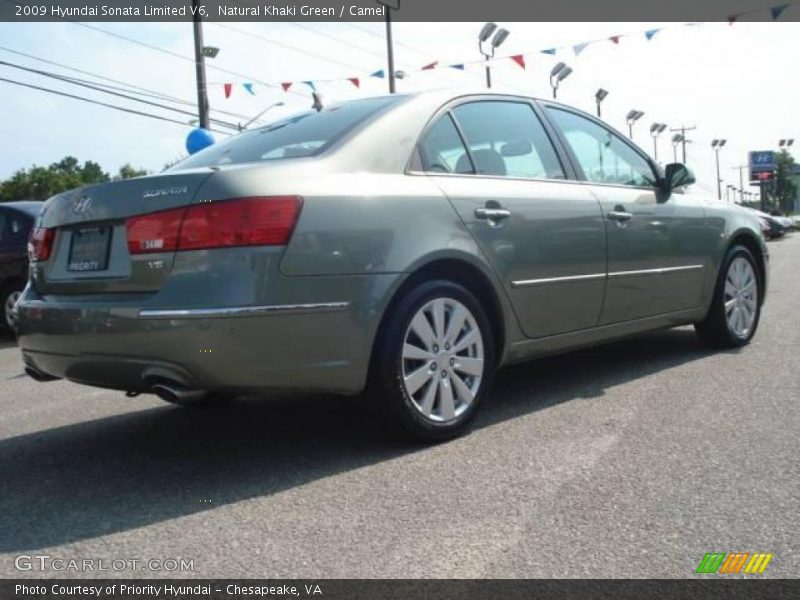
[683, 129]
[717, 145]
[390, 49]
[599, 96]
[200, 69]
[499, 37]
[558, 74]
[631, 118]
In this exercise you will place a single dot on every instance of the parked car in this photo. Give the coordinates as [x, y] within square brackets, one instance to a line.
[406, 245]
[16, 222]
[772, 226]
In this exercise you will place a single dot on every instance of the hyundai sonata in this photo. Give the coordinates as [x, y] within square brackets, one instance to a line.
[406, 245]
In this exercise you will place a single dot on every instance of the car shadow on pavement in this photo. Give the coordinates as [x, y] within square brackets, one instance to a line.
[122, 472]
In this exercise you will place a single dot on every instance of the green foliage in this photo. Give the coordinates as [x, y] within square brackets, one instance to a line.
[39, 183]
[785, 187]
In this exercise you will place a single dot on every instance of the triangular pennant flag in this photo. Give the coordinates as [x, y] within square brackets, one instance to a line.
[378, 73]
[459, 66]
[732, 19]
[311, 85]
[650, 33]
[354, 81]
[249, 88]
[228, 87]
[776, 11]
[519, 59]
[430, 66]
[550, 51]
[286, 85]
[578, 48]
[615, 39]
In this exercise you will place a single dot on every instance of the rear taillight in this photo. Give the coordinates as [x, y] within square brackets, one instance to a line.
[40, 244]
[242, 222]
[156, 232]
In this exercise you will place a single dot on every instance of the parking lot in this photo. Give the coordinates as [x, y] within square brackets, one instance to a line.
[627, 460]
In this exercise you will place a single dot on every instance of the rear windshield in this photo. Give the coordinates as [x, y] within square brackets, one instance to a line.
[304, 134]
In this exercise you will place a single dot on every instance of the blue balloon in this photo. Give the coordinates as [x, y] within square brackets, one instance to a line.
[198, 139]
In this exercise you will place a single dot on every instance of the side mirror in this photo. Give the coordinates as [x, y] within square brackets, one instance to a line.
[516, 148]
[677, 175]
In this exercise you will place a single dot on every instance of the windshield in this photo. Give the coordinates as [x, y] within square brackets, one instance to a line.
[304, 134]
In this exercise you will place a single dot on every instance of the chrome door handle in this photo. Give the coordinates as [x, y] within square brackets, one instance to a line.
[620, 215]
[493, 214]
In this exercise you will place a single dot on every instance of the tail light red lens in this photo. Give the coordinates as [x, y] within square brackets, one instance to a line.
[156, 232]
[40, 244]
[241, 222]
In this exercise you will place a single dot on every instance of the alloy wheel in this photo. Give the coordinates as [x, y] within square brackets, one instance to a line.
[442, 359]
[10, 309]
[740, 297]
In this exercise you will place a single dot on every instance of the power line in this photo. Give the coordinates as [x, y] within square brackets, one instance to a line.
[129, 87]
[83, 83]
[97, 102]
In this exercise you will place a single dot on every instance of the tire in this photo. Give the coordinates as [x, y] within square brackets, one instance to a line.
[8, 295]
[431, 380]
[738, 285]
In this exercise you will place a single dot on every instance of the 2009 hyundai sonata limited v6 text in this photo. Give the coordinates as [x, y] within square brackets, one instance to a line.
[406, 245]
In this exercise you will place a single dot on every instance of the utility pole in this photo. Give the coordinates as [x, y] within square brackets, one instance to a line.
[741, 182]
[200, 68]
[390, 48]
[683, 129]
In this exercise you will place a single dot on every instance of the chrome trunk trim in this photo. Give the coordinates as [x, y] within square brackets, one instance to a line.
[239, 311]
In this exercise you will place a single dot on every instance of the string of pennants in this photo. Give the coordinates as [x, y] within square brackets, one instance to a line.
[520, 59]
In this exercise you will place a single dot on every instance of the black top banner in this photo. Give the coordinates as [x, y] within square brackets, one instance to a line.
[401, 10]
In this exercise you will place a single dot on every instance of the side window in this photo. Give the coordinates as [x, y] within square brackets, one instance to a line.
[507, 139]
[3, 228]
[442, 150]
[602, 155]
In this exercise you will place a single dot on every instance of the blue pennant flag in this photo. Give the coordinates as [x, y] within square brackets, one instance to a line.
[650, 33]
[311, 85]
[776, 11]
[460, 67]
[551, 51]
[378, 73]
[249, 88]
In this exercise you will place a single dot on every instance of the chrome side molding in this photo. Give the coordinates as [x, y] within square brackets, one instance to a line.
[570, 278]
[239, 311]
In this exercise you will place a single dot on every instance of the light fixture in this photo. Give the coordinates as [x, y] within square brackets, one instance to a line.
[210, 51]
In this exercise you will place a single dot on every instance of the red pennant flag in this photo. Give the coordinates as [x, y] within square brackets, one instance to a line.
[615, 39]
[228, 89]
[430, 66]
[519, 59]
[354, 81]
[286, 85]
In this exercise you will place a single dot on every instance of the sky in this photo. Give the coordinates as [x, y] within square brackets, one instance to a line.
[737, 82]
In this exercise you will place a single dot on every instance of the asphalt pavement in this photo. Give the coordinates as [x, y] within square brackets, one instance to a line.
[627, 460]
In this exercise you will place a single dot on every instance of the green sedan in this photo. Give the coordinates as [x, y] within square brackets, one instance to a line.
[401, 247]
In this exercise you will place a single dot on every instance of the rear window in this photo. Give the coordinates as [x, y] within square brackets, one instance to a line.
[304, 134]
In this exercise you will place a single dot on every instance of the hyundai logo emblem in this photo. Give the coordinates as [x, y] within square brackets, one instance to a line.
[81, 205]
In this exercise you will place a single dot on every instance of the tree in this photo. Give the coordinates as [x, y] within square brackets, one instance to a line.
[39, 183]
[126, 171]
[785, 187]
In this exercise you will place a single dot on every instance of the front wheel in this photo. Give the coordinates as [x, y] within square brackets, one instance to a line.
[735, 310]
[434, 363]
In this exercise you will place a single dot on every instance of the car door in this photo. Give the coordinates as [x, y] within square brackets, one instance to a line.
[542, 234]
[657, 250]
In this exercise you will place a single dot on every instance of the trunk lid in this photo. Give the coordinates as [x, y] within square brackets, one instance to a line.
[90, 254]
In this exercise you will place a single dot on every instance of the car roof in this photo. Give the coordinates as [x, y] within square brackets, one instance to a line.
[30, 207]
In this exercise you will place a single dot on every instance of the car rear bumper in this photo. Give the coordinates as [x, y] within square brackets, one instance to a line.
[131, 342]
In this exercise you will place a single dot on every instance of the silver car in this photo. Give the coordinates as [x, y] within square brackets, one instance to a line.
[404, 247]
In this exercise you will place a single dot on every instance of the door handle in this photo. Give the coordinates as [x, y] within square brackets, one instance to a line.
[492, 214]
[620, 216]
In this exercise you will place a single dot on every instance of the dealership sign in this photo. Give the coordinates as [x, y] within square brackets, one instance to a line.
[762, 165]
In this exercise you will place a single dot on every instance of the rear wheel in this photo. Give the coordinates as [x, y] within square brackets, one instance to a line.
[733, 317]
[8, 300]
[435, 361]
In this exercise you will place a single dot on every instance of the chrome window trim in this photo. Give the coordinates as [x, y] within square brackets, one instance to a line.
[239, 311]
[592, 276]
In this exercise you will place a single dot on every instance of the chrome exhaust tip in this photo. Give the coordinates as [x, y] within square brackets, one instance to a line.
[176, 394]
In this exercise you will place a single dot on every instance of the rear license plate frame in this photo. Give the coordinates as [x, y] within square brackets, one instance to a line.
[95, 259]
